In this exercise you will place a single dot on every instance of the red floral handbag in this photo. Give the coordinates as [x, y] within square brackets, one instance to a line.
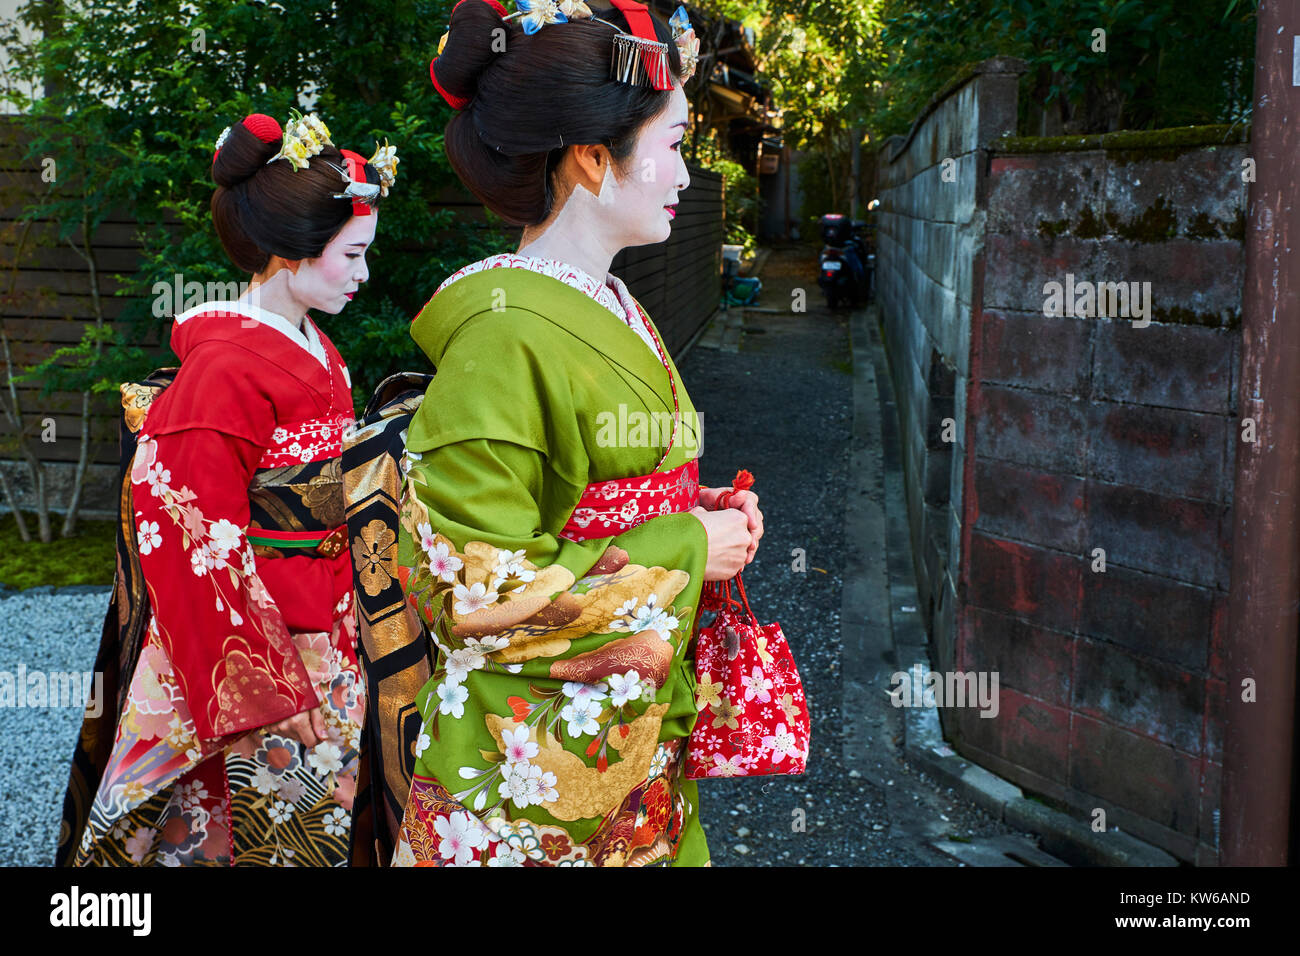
[753, 714]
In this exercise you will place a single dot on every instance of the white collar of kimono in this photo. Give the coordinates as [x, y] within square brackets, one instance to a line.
[305, 338]
[611, 293]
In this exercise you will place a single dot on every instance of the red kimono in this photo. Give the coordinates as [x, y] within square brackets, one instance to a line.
[236, 501]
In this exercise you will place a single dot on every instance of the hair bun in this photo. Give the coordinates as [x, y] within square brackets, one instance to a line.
[469, 49]
[246, 148]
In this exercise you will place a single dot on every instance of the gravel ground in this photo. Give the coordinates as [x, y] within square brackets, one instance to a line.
[46, 632]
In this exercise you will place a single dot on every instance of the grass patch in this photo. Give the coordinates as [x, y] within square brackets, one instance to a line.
[87, 558]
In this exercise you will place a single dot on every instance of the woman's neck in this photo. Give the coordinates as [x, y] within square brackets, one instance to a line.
[571, 238]
[271, 293]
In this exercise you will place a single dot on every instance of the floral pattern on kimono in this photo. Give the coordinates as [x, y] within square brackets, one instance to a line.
[235, 642]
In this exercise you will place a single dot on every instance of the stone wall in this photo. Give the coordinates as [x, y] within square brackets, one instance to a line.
[930, 230]
[1088, 505]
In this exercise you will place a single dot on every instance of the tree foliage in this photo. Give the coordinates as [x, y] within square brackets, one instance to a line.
[143, 89]
[1094, 65]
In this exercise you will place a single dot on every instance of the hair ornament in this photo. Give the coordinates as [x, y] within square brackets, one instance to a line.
[304, 137]
[688, 44]
[385, 161]
[536, 14]
[638, 57]
[362, 193]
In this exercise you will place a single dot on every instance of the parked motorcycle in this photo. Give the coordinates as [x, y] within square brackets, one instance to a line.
[845, 265]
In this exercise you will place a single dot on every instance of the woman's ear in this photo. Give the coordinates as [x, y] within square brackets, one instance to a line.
[589, 163]
[277, 263]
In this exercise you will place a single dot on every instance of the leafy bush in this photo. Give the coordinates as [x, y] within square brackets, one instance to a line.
[740, 192]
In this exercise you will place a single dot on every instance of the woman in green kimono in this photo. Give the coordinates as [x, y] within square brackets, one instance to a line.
[554, 535]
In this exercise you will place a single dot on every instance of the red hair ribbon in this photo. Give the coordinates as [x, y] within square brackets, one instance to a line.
[356, 173]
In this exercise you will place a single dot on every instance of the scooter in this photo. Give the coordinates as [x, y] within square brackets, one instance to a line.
[843, 267]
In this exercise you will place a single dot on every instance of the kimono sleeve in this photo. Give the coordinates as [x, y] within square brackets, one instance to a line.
[225, 637]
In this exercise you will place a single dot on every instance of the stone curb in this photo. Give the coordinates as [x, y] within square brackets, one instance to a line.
[1060, 834]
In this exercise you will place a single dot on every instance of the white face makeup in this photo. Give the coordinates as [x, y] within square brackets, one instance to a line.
[634, 210]
[591, 226]
[327, 282]
[656, 176]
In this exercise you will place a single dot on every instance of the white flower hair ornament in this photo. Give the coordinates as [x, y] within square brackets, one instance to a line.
[304, 137]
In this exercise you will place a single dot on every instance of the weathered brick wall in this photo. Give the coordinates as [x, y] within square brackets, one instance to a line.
[1104, 436]
[1073, 433]
[930, 230]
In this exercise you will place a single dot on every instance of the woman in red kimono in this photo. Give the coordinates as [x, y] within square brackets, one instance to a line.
[231, 640]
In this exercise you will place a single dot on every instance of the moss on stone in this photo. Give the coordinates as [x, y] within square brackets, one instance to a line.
[1178, 315]
[1203, 227]
[1051, 228]
[1129, 145]
[1237, 228]
[1045, 144]
[1155, 224]
[1089, 227]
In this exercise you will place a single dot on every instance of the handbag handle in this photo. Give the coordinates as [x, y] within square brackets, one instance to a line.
[717, 594]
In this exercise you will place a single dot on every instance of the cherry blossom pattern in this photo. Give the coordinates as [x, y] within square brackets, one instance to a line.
[647, 617]
[214, 544]
[307, 441]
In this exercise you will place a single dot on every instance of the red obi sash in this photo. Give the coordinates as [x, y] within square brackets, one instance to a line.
[611, 507]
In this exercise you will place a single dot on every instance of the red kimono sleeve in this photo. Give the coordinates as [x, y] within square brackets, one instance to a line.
[226, 639]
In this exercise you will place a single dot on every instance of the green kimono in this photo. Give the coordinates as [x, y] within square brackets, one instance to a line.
[555, 722]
